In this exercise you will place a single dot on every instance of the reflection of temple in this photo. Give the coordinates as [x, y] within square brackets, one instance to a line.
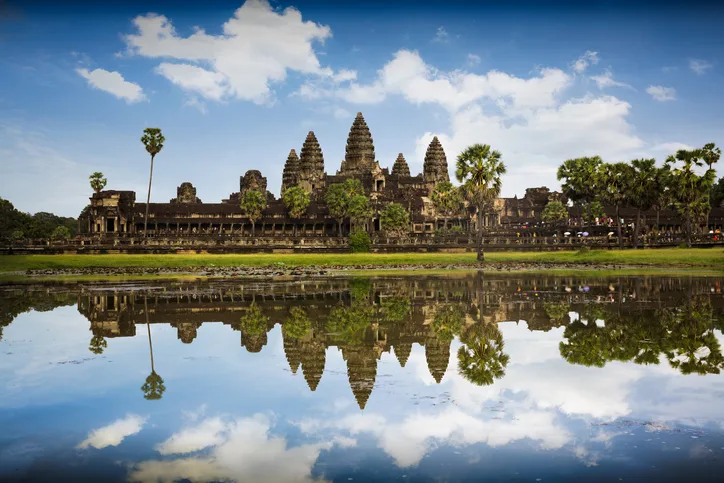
[543, 302]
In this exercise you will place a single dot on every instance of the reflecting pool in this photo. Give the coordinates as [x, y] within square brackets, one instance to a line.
[495, 377]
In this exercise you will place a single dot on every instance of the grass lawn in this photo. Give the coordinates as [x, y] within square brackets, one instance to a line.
[695, 257]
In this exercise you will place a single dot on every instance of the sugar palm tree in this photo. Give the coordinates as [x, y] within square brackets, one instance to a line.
[616, 179]
[153, 388]
[480, 169]
[643, 190]
[153, 140]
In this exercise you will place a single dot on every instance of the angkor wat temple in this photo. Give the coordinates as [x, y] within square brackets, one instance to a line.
[117, 212]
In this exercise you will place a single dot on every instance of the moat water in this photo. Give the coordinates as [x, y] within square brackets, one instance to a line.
[412, 379]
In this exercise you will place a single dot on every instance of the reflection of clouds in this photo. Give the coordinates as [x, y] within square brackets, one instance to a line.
[408, 441]
[114, 433]
[242, 450]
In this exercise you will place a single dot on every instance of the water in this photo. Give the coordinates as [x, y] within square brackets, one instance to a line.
[413, 379]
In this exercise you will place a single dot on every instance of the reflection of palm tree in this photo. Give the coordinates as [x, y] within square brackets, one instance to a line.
[481, 359]
[97, 344]
[153, 388]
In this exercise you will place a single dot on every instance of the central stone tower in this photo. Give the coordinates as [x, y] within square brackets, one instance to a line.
[359, 155]
[435, 166]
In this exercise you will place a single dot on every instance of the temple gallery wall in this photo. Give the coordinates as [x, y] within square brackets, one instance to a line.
[116, 214]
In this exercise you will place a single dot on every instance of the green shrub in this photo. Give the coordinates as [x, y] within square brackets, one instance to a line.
[359, 242]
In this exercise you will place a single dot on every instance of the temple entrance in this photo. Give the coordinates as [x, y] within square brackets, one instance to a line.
[376, 224]
[110, 225]
[379, 184]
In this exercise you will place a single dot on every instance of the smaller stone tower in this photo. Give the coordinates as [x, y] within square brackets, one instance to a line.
[400, 168]
[290, 175]
[435, 166]
[311, 166]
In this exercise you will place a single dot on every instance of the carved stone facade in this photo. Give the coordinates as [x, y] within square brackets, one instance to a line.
[186, 215]
[186, 193]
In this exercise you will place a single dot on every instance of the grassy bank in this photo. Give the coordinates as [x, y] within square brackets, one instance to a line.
[701, 257]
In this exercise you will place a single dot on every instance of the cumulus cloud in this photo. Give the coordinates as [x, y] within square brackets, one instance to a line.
[258, 46]
[473, 59]
[661, 93]
[113, 83]
[242, 450]
[582, 63]
[114, 433]
[700, 66]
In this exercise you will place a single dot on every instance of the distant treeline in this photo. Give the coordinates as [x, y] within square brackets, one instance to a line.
[16, 225]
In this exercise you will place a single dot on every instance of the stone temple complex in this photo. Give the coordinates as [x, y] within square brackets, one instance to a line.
[117, 212]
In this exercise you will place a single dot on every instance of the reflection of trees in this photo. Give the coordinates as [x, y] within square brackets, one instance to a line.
[394, 309]
[16, 302]
[297, 324]
[481, 359]
[448, 321]
[683, 334]
[557, 312]
[98, 344]
[153, 388]
[253, 325]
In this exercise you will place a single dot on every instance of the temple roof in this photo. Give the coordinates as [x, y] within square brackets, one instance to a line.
[435, 166]
[400, 168]
[360, 150]
[437, 353]
[311, 159]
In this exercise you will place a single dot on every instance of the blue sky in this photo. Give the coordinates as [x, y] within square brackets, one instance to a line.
[540, 83]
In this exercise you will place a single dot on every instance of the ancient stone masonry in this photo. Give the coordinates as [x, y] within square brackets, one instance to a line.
[186, 193]
[359, 157]
[311, 166]
[435, 168]
[290, 175]
[115, 213]
[400, 168]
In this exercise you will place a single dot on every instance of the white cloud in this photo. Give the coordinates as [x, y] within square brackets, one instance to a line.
[115, 433]
[257, 47]
[441, 35]
[582, 63]
[210, 432]
[473, 60]
[606, 80]
[113, 83]
[242, 450]
[700, 66]
[195, 102]
[661, 93]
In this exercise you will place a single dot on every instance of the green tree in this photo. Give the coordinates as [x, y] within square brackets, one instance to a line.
[643, 188]
[662, 191]
[97, 344]
[296, 200]
[60, 233]
[297, 324]
[338, 199]
[554, 213]
[252, 204]
[616, 180]
[480, 170]
[395, 219]
[447, 200]
[394, 309]
[711, 156]
[358, 209]
[152, 140]
[253, 322]
[481, 359]
[582, 183]
[716, 196]
[689, 191]
[359, 241]
[97, 181]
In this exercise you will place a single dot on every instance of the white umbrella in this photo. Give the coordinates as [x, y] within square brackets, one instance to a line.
[568, 233]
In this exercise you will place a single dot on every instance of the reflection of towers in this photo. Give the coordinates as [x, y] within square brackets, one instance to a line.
[253, 343]
[402, 352]
[293, 351]
[313, 357]
[187, 331]
[437, 353]
[361, 370]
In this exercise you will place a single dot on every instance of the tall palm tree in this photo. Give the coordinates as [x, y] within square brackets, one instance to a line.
[480, 169]
[617, 179]
[153, 140]
[153, 388]
[711, 156]
[643, 190]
